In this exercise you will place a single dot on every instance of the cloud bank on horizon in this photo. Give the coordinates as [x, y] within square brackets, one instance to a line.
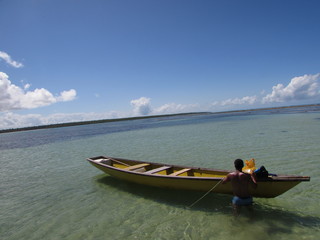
[13, 97]
[305, 87]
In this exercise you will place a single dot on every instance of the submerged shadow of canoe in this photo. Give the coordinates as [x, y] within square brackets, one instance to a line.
[277, 220]
[176, 198]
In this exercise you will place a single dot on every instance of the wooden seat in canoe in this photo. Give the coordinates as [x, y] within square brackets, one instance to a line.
[134, 167]
[180, 172]
[159, 169]
[117, 161]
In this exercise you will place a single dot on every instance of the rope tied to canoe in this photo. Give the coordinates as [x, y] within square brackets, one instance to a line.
[205, 194]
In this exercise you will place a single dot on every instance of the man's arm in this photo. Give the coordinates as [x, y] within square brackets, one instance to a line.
[254, 180]
[226, 179]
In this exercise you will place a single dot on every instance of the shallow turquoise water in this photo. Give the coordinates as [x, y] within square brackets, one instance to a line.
[49, 191]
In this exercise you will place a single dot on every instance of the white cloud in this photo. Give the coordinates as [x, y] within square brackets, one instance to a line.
[233, 102]
[13, 120]
[66, 96]
[141, 106]
[175, 108]
[5, 56]
[305, 87]
[26, 86]
[239, 101]
[299, 88]
[13, 97]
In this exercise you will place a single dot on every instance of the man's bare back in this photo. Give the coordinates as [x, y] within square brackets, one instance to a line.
[240, 183]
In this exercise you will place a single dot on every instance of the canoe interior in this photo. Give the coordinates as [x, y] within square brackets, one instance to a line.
[159, 169]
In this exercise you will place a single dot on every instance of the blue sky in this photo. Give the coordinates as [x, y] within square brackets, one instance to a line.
[74, 60]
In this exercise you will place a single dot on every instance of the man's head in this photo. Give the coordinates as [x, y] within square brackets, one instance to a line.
[238, 164]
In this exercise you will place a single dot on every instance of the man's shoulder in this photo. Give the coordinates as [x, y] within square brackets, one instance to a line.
[243, 175]
[232, 174]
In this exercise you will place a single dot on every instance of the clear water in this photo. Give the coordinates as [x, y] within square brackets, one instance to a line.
[49, 191]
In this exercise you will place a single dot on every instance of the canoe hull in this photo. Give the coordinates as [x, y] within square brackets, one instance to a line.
[182, 183]
[267, 188]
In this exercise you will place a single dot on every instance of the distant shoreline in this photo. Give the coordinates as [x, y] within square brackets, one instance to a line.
[70, 124]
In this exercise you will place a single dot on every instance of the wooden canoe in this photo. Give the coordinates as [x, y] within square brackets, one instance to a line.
[188, 178]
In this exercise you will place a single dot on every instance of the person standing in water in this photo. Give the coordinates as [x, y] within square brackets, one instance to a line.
[240, 182]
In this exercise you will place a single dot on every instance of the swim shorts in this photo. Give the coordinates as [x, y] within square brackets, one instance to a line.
[242, 201]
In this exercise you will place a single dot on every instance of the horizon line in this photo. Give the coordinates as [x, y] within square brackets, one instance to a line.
[89, 122]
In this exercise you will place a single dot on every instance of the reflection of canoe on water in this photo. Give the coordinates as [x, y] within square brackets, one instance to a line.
[188, 178]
